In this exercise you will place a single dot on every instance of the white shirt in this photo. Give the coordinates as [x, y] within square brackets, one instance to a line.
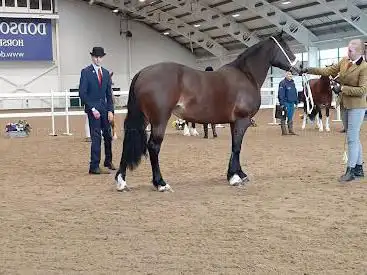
[96, 68]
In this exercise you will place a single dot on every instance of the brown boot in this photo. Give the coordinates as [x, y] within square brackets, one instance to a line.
[284, 129]
[290, 128]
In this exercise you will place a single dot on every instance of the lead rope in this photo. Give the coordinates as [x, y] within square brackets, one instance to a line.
[308, 97]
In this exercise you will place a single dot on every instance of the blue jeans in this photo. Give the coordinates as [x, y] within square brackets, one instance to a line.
[290, 110]
[353, 119]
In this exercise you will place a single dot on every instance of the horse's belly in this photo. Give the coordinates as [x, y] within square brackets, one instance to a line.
[201, 112]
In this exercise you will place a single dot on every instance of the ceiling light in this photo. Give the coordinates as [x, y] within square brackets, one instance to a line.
[235, 15]
[197, 25]
[166, 33]
[142, 1]
[286, 2]
[115, 10]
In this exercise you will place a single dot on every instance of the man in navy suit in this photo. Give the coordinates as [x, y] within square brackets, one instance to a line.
[96, 94]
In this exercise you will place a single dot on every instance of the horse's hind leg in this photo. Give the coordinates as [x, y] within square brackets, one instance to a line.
[235, 175]
[327, 126]
[154, 147]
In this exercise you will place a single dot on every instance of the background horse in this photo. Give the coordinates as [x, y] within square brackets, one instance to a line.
[322, 96]
[229, 95]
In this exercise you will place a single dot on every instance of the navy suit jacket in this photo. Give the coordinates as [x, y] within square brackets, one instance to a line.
[91, 94]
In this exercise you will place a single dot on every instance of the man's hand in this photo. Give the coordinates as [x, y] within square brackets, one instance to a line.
[96, 114]
[110, 116]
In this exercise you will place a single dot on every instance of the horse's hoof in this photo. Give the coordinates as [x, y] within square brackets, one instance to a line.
[121, 185]
[327, 129]
[235, 180]
[164, 188]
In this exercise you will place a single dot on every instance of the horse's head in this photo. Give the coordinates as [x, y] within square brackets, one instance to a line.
[282, 56]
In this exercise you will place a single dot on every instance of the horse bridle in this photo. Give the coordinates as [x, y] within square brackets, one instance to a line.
[294, 62]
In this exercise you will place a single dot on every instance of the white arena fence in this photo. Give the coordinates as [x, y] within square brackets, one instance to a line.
[268, 101]
[67, 95]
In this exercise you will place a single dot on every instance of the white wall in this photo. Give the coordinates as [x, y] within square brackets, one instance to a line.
[79, 32]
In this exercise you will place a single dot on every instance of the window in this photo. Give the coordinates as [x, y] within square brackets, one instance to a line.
[34, 4]
[9, 3]
[331, 53]
[343, 52]
[46, 5]
[22, 3]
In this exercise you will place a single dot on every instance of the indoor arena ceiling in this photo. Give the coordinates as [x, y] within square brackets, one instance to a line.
[219, 27]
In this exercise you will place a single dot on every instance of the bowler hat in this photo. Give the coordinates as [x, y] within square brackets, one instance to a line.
[209, 68]
[98, 52]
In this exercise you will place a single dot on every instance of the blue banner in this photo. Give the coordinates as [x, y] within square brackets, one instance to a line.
[25, 39]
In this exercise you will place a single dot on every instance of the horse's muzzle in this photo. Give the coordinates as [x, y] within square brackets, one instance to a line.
[295, 70]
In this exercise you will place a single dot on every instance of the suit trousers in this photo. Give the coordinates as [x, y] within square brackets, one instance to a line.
[353, 120]
[96, 126]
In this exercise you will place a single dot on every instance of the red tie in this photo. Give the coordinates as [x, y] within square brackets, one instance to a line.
[100, 77]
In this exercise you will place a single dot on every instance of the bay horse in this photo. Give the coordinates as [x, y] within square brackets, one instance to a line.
[322, 96]
[230, 94]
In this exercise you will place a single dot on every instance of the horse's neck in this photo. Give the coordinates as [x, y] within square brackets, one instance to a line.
[256, 64]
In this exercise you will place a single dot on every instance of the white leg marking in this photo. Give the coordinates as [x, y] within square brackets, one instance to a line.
[304, 121]
[186, 130]
[121, 184]
[321, 126]
[165, 188]
[235, 180]
[194, 132]
[327, 127]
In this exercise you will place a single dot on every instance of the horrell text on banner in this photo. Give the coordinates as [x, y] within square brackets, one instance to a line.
[25, 39]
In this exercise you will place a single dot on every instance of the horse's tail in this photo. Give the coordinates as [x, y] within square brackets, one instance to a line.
[135, 136]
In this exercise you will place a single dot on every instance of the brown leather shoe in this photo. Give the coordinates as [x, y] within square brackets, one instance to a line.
[99, 171]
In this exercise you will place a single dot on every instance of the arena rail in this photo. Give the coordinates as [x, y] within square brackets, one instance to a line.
[52, 113]
[66, 112]
[300, 105]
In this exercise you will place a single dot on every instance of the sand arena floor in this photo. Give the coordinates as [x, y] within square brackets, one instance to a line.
[292, 218]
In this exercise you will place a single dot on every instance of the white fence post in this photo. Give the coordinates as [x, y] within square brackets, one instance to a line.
[52, 114]
[67, 114]
[338, 118]
[274, 103]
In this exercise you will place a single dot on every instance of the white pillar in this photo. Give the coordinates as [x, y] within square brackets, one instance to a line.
[313, 57]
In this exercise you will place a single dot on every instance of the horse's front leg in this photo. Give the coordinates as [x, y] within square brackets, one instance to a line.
[235, 175]
[327, 126]
[321, 126]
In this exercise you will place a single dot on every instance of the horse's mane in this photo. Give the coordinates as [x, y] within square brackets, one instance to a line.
[238, 62]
